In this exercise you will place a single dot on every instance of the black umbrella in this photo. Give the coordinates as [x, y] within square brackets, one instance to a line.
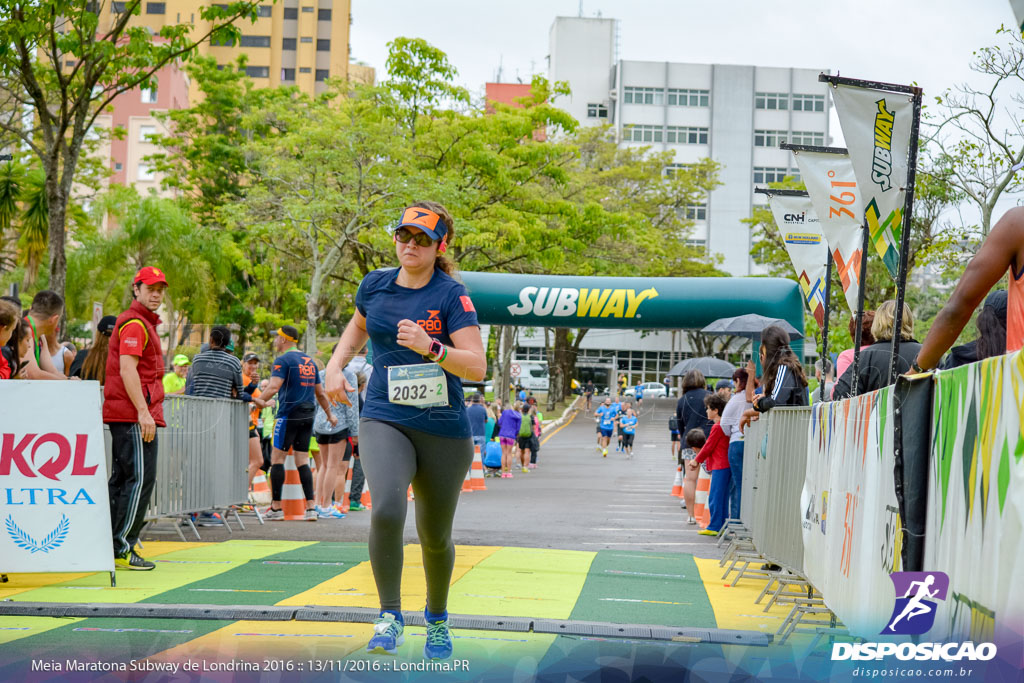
[749, 326]
[708, 366]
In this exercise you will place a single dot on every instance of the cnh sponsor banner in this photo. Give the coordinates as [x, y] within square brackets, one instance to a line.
[832, 187]
[975, 526]
[850, 515]
[876, 125]
[53, 479]
[798, 224]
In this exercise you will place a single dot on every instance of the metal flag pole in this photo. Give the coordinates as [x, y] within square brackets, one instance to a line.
[858, 333]
[824, 328]
[908, 218]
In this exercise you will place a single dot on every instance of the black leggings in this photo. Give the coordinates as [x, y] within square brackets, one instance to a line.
[393, 457]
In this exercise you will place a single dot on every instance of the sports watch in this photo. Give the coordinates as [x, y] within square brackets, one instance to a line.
[436, 350]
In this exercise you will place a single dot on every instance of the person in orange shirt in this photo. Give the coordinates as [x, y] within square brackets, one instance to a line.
[1002, 252]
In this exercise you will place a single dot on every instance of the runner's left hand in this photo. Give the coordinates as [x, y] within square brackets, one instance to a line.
[413, 337]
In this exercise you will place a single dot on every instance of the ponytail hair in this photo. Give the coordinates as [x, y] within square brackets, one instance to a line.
[775, 342]
[443, 263]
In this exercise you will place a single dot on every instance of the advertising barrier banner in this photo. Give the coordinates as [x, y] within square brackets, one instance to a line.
[851, 518]
[801, 231]
[975, 527]
[53, 475]
[832, 187]
[876, 125]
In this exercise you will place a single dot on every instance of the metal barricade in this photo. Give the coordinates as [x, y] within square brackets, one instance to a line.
[781, 472]
[202, 456]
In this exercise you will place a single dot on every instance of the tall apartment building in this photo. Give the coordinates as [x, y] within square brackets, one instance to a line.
[736, 115]
[292, 42]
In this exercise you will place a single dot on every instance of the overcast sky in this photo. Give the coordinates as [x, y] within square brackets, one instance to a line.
[927, 41]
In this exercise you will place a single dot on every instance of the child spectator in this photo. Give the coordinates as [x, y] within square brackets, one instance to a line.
[716, 453]
[695, 440]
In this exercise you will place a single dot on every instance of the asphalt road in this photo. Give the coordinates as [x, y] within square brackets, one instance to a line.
[574, 500]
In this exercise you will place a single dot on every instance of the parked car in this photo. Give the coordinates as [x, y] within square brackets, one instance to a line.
[651, 390]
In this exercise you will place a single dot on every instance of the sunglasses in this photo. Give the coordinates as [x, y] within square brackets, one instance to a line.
[404, 234]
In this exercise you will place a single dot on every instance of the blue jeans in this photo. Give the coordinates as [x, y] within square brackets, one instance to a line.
[718, 498]
[480, 441]
[736, 478]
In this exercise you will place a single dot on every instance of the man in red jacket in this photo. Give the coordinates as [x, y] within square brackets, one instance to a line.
[716, 453]
[133, 408]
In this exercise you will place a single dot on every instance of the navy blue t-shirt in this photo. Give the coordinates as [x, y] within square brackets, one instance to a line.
[441, 307]
[297, 397]
[477, 419]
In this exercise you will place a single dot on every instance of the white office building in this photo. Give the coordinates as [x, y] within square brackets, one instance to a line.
[736, 115]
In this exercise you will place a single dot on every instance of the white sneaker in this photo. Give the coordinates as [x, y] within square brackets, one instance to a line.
[312, 516]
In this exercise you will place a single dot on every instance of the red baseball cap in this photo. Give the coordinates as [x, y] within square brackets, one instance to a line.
[148, 275]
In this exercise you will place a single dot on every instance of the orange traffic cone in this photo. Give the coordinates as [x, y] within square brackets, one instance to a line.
[293, 500]
[260, 493]
[409, 495]
[365, 499]
[677, 485]
[702, 513]
[476, 471]
[467, 483]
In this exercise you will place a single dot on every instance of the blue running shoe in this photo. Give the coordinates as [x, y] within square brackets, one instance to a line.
[439, 640]
[387, 634]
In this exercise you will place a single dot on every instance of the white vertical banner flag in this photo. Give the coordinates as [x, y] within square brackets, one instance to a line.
[801, 231]
[876, 125]
[832, 186]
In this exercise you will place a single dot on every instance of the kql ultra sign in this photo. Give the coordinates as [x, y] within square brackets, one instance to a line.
[45, 457]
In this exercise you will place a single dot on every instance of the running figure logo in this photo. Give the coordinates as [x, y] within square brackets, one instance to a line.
[916, 595]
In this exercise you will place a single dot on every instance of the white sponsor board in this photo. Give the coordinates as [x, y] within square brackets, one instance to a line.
[832, 186]
[876, 125]
[800, 229]
[975, 527]
[54, 510]
[850, 514]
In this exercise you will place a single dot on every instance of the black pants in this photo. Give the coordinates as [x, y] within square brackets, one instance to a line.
[358, 479]
[132, 476]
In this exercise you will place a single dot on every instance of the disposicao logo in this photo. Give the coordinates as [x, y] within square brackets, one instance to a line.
[917, 594]
[563, 302]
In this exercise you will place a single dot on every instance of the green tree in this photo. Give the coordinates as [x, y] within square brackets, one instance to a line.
[151, 231]
[57, 61]
[420, 77]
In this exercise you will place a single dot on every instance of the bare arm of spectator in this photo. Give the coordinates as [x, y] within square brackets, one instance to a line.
[272, 389]
[44, 369]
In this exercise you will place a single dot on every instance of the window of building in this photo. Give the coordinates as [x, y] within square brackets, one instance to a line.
[808, 103]
[799, 137]
[264, 10]
[771, 100]
[639, 133]
[145, 172]
[291, 12]
[687, 135]
[682, 97]
[671, 169]
[696, 212]
[699, 244]
[304, 70]
[323, 15]
[257, 71]
[148, 95]
[323, 45]
[226, 41]
[156, 8]
[597, 111]
[307, 10]
[770, 174]
[287, 74]
[305, 39]
[769, 138]
[288, 44]
[117, 7]
[255, 41]
[633, 95]
[70, 63]
[146, 132]
[92, 6]
[322, 74]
